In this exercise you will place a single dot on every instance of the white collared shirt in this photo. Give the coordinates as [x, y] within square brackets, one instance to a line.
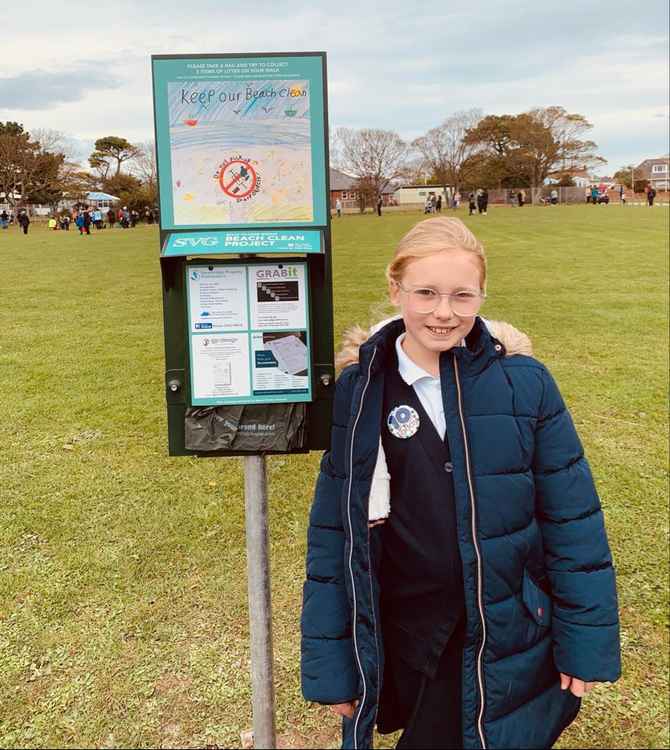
[427, 388]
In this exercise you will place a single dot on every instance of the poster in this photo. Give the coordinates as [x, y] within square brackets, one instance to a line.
[249, 334]
[222, 370]
[240, 140]
[278, 291]
[219, 298]
[281, 362]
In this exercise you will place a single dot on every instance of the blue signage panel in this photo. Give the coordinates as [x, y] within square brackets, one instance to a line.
[240, 140]
[234, 241]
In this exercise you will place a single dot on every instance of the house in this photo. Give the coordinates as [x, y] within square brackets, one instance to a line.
[655, 172]
[92, 199]
[342, 187]
[101, 200]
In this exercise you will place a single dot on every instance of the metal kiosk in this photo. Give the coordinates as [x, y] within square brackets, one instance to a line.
[242, 155]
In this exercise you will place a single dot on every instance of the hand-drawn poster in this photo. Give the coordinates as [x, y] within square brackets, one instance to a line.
[240, 141]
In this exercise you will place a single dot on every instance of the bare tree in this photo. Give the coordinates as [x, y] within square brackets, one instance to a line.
[76, 182]
[417, 171]
[144, 167]
[144, 163]
[374, 157]
[335, 149]
[571, 153]
[446, 150]
[53, 142]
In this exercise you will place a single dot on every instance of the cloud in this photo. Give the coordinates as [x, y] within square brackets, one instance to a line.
[42, 89]
[389, 65]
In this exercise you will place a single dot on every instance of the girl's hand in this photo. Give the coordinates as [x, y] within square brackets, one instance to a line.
[577, 687]
[344, 709]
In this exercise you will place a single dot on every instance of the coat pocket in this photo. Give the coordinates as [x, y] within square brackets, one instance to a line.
[537, 601]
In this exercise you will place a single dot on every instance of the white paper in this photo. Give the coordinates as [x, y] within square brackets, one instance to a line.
[218, 298]
[277, 296]
[220, 366]
[290, 353]
[268, 374]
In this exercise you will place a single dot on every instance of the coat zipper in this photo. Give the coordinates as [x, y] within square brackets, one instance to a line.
[351, 551]
[473, 515]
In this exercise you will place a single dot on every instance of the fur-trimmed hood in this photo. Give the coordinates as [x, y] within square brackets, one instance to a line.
[514, 340]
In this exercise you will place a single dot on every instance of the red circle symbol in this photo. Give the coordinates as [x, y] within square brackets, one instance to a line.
[238, 178]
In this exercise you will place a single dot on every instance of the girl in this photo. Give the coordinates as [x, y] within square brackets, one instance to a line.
[459, 580]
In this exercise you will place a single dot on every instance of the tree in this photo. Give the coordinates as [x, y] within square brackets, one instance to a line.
[35, 167]
[624, 176]
[131, 191]
[445, 149]
[487, 170]
[28, 168]
[416, 170]
[566, 151]
[496, 133]
[17, 155]
[144, 165]
[11, 128]
[374, 157]
[100, 166]
[537, 151]
[44, 185]
[531, 146]
[366, 192]
[497, 162]
[76, 182]
[110, 153]
[122, 185]
[53, 141]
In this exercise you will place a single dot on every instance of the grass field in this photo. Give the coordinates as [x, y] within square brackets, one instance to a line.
[123, 615]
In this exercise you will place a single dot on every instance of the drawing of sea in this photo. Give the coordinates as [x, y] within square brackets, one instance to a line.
[241, 151]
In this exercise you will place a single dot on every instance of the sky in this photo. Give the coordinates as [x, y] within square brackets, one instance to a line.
[84, 69]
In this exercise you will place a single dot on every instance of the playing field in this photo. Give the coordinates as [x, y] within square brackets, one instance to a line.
[123, 618]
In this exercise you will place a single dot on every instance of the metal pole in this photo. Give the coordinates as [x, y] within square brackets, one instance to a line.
[260, 607]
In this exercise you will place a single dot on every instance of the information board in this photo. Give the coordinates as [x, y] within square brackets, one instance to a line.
[248, 333]
[241, 140]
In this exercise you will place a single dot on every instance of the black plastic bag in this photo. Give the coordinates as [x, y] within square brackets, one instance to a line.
[251, 428]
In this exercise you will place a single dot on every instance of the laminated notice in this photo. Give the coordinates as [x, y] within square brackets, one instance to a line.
[248, 333]
[290, 353]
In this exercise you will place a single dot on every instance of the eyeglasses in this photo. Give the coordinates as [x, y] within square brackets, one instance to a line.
[424, 300]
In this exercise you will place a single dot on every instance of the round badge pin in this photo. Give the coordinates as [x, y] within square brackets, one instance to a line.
[403, 422]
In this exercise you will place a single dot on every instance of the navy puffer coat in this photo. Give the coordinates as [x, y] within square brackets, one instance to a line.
[539, 583]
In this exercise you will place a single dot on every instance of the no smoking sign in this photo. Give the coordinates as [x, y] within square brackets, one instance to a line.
[239, 179]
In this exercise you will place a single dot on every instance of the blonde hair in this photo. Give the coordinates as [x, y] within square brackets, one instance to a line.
[428, 237]
[436, 235]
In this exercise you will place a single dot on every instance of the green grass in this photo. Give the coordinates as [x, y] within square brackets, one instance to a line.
[123, 615]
